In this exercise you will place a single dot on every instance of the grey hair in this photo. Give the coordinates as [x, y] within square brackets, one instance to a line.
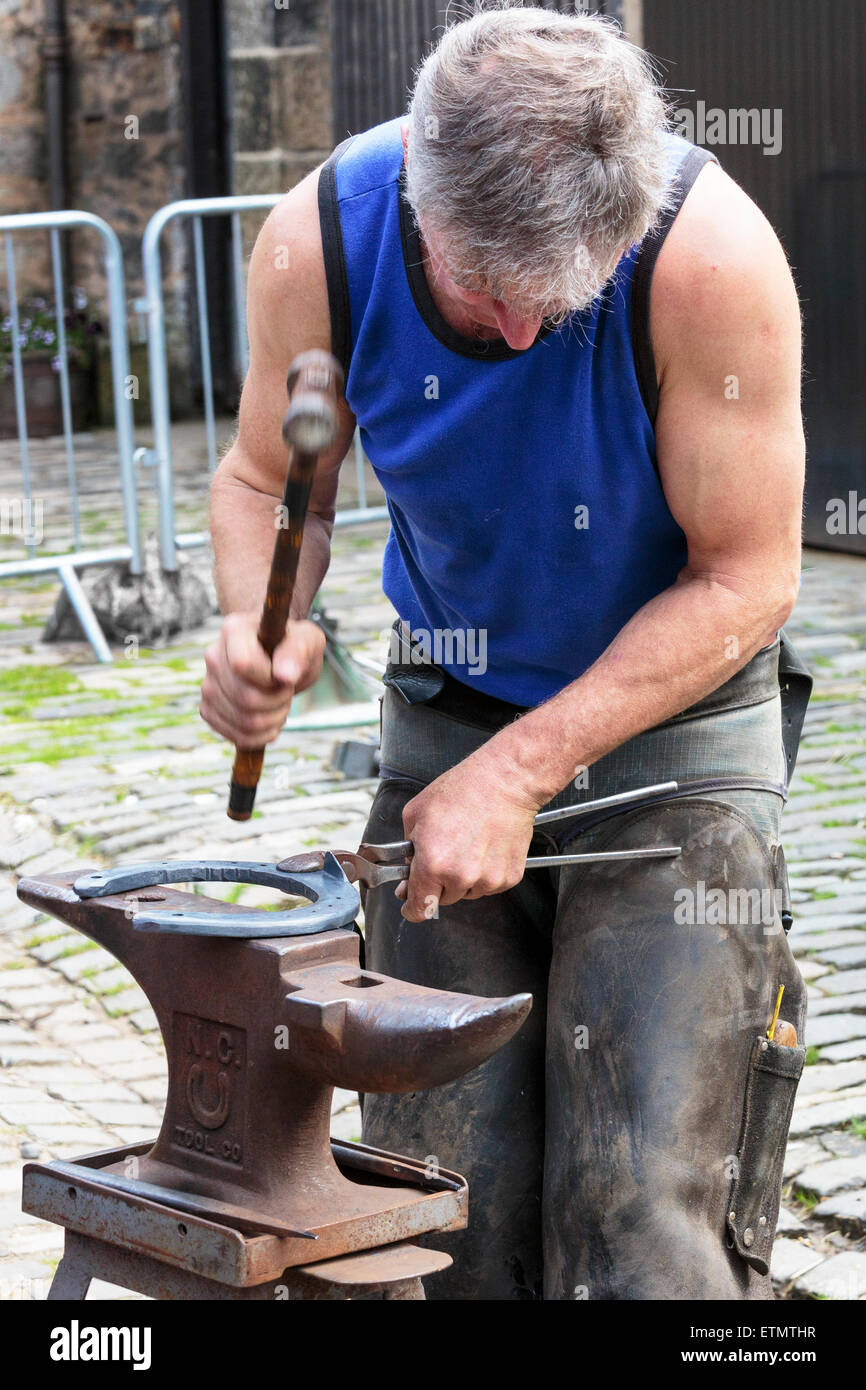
[536, 154]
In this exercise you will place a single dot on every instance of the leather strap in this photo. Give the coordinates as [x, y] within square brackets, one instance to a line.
[795, 684]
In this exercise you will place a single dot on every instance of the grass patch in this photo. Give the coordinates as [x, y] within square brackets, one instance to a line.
[76, 949]
[809, 1200]
[14, 753]
[34, 941]
[812, 1056]
[119, 988]
[857, 1127]
[35, 683]
[60, 739]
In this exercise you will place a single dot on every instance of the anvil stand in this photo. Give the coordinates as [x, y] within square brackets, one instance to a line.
[244, 1195]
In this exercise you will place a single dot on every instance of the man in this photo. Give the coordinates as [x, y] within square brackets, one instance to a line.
[573, 348]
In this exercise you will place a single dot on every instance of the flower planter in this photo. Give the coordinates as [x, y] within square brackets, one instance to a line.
[43, 406]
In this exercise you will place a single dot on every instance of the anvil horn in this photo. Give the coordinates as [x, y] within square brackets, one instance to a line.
[368, 1032]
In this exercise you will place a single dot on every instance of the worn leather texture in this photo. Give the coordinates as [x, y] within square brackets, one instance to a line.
[754, 1205]
[600, 1143]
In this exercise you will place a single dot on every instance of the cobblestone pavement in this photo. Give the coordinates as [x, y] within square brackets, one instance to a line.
[104, 764]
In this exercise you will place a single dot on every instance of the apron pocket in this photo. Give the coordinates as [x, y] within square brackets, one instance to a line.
[753, 1209]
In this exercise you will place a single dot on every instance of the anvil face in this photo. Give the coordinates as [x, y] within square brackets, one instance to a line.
[257, 1032]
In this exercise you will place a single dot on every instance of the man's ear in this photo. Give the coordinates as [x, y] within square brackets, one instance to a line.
[404, 135]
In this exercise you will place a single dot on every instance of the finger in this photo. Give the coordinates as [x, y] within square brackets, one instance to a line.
[239, 716]
[245, 656]
[227, 730]
[298, 659]
[427, 911]
[421, 888]
[219, 725]
[455, 889]
[245, 731]
[242, 696]
[247, 721]
[236, 688]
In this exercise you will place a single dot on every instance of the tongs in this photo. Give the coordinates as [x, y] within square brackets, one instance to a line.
[373, 865]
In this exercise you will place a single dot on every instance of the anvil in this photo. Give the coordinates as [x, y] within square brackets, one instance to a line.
[262, 1014]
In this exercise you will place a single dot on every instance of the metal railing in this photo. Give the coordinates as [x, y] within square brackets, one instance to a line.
[159, 458]
[78, 556]
[153, 306]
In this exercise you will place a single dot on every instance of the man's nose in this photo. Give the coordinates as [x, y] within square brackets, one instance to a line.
[518, 332]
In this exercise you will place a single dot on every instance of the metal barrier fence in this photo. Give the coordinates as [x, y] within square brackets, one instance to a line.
[159, 458]
[78, 556]
[153, 306]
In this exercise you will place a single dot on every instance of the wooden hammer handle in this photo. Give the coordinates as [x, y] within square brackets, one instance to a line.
[314, 384]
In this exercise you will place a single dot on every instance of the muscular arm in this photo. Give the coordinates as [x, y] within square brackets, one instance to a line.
[287, 314]
[726, 334]
[726, 331]
[245, 695]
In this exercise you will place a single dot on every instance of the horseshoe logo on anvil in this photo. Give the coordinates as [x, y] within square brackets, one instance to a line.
[208, 1119]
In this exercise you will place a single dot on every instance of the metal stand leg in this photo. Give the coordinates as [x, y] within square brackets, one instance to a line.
[72, 1276]
[84, 613]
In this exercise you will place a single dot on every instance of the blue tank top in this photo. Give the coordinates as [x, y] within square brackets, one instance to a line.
[528, 523]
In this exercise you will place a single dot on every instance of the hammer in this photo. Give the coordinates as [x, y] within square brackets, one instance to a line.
[314, 384]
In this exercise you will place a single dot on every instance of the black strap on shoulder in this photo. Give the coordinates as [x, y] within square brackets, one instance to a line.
[334, 253]
[651, 245]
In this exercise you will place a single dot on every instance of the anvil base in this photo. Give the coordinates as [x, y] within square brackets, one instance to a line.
[140, 1244]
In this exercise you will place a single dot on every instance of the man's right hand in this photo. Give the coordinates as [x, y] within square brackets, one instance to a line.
[246, 695]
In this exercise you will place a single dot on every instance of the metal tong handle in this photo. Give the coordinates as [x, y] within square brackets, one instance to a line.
[618, 799]
[378, 864]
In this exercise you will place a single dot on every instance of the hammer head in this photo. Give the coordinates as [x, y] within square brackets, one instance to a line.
[314, 383]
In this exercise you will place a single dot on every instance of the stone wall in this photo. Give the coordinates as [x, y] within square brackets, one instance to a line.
[124, 134]
[123, 137]
[281, 92]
